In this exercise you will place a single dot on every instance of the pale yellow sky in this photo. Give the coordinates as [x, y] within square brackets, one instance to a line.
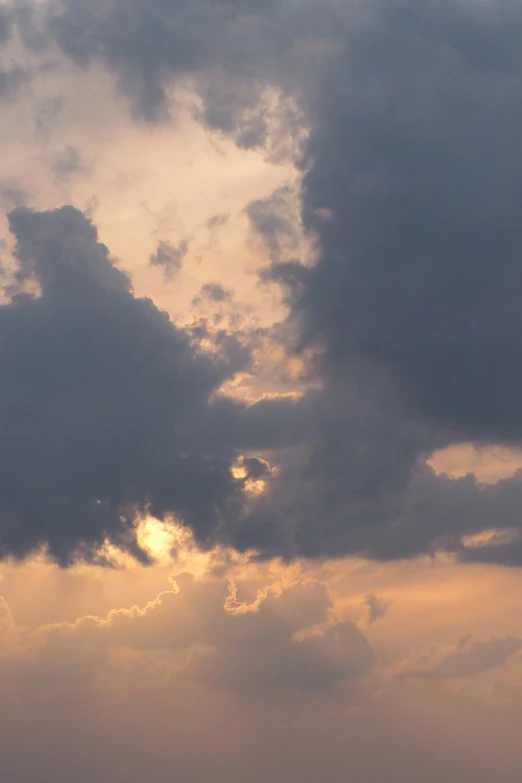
[144, 184]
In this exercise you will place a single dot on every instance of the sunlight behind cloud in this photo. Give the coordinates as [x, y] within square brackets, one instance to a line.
[158, 539]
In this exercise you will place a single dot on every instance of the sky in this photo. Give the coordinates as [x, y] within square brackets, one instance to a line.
[260, 383]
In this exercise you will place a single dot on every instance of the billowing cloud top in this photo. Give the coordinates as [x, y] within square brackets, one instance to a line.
[101, 399]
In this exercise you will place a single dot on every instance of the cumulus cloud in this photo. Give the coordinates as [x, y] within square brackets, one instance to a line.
[99, 392]
[221, 643]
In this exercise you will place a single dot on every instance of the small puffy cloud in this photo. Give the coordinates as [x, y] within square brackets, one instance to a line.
[214, 291]
[169, 257]
[377, 608]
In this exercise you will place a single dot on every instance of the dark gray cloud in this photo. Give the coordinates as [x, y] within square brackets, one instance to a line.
[235, 107]
[231, 52]
[415, 153]
[415, 158]
[363, 489]
[273, 221]
[215, 292]
[105, 411]
[145, 44]
[291, 275]
[100, 400]
[414, 150]
[169, 257]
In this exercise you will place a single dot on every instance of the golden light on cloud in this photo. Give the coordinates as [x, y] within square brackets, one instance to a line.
[489, 463]
[490, 538]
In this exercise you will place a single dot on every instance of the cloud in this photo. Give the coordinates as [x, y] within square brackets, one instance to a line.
[11, 194]
[470, 657]
[10, 82]
[272, 219]
[261, 655]
[225, 644]
[108, 409]
[12, 75]
[169, 257]
[410, 193]
[101, 399]
[7, 623]
[365, 495]
[413, 304]
[5, 24]
[213, 291]
[144, 684]
[68, 162]
[347, 488]
[146, 45]
[377, 608]
[414, 152]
